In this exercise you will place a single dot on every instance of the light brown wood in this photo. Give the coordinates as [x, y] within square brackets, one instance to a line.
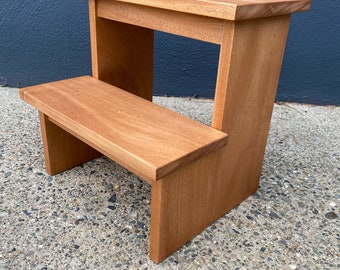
[229, 9]
[184, 24]
[187, 201]
[149, 140]
[62, 150]
[122, 54]
[248, 73]
[181, 205]
[249, 70]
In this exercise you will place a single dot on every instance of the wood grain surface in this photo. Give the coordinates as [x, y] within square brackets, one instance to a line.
[122, 54]
[229, 9]
[147, 139]
[190, 199]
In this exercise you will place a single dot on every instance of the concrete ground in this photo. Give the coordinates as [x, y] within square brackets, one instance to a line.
[96, 216]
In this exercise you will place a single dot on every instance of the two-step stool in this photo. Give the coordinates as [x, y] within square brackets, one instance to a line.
[196, 175]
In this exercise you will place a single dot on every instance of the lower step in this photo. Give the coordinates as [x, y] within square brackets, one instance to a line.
[147, 139]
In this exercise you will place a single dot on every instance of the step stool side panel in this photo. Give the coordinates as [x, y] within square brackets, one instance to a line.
[122, 54]
[62, 150]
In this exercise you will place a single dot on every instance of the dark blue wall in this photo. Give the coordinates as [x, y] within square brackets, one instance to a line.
[42, 41]
[311, 67]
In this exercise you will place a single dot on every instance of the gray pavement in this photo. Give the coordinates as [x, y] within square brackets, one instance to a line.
[97, 216]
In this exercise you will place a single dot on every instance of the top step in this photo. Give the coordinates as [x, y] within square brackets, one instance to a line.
[228, 9]
[147, 139]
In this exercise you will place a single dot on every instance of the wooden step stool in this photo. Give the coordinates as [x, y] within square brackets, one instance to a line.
[195, 177]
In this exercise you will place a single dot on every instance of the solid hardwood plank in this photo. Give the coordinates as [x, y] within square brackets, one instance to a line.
[190, 199]
[178, 23]
[181, 205]
[267, 8]
[122, 54]
[249, 69]
[229, 9]
[62, 150]
[147, 139]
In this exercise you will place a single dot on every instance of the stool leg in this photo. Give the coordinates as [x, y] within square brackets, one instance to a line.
[181, 205]
[187, 201]
[62, 150]
[250, 63]
[122, 54]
